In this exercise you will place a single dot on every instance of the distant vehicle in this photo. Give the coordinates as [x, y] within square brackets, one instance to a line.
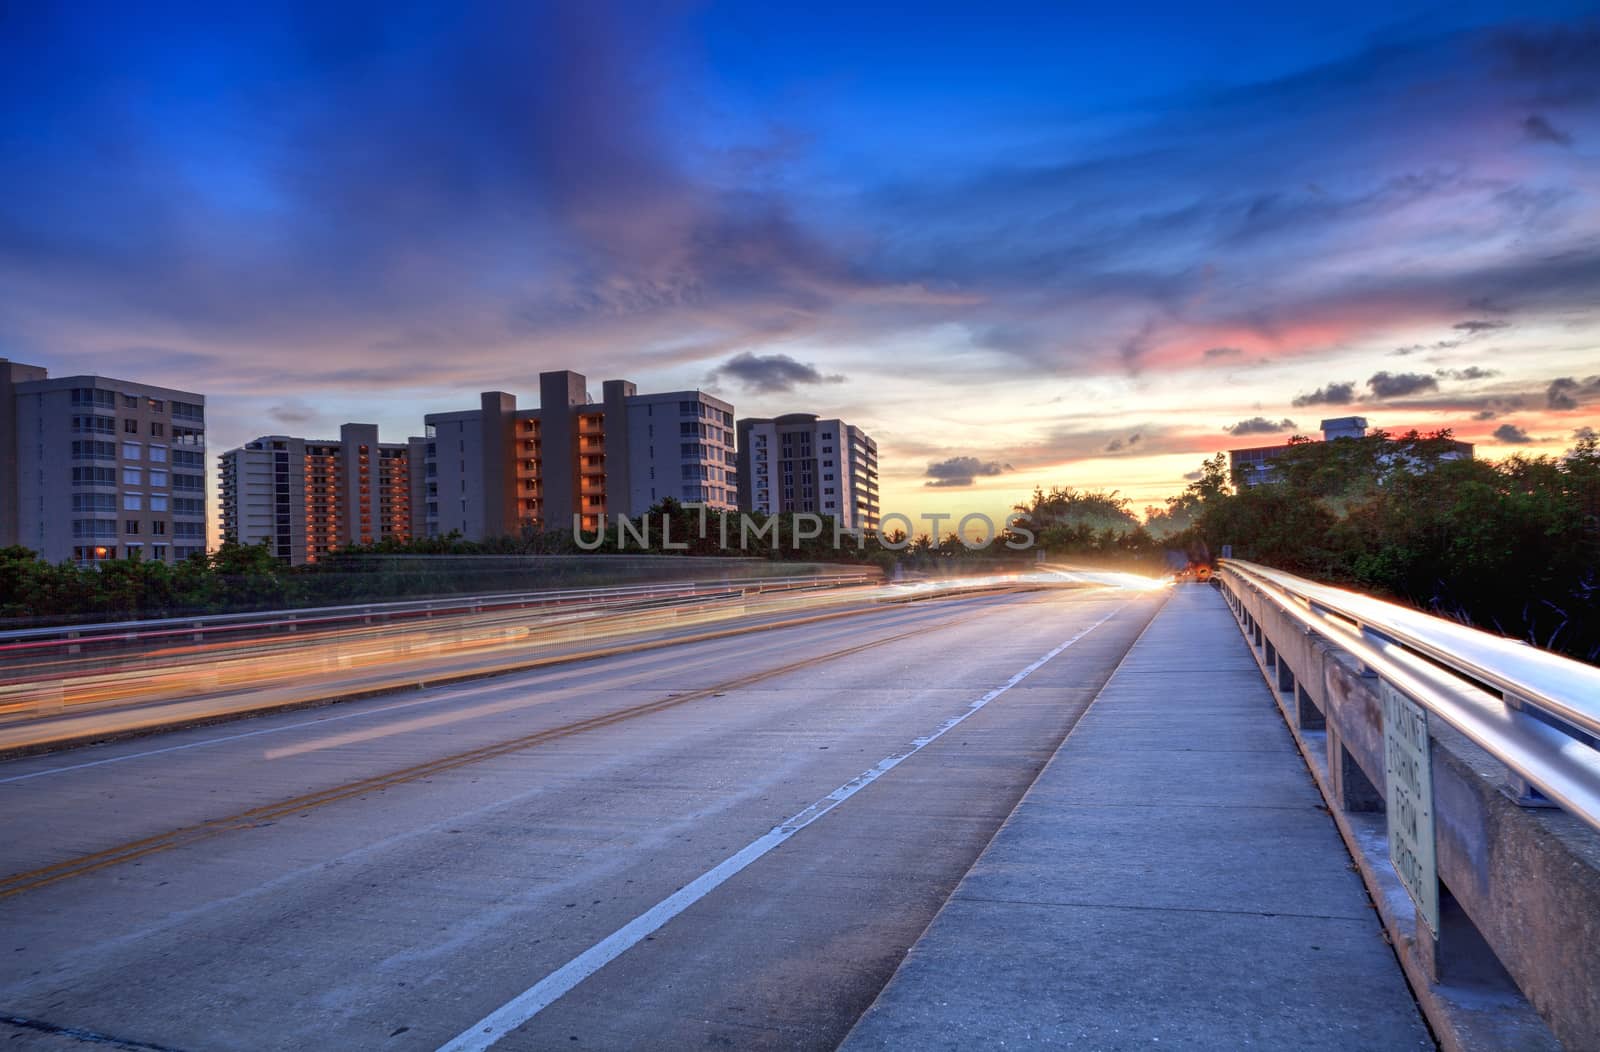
[1194, 564]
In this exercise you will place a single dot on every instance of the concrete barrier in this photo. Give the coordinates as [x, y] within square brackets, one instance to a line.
[1516, 962]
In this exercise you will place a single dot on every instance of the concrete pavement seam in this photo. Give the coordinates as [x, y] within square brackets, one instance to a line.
[1166, 909]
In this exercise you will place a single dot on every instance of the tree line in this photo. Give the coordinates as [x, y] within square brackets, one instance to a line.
[1512, 546]
[237, 577]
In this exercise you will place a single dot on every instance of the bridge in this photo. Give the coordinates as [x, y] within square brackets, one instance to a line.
[1054, 809]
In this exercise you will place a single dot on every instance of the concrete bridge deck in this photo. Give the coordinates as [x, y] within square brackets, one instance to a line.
[1172, 879]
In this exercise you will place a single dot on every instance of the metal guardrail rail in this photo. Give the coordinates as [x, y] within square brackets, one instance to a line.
[31, 641]
[1536, 712]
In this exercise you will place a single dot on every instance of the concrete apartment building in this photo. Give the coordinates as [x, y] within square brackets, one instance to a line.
[305, 497]
[497, 469]
[93, 468]
[799, 463]
[1254, 466]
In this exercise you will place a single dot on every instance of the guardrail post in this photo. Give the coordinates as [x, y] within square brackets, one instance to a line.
[1459, 954]
[1352, 788]
[1518, 788]
[1306, 714]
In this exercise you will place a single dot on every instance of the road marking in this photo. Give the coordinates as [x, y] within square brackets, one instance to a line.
[489, 1030]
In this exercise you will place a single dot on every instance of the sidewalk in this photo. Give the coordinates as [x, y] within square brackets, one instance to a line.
[1170, 881]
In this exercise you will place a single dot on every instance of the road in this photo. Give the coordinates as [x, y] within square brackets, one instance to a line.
[727, 843]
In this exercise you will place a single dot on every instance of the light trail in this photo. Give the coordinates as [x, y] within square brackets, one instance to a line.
[59, 696]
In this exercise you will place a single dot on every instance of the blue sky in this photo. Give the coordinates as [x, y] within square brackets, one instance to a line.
[1066, 244]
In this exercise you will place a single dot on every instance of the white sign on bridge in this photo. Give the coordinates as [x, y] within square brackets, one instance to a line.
[1408, 799]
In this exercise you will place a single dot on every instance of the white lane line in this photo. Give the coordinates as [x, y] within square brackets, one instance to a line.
[514, 1013]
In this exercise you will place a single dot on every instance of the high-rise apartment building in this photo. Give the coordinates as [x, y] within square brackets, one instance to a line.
[496, 470]
[799, 463]
[93, 468]
[305, 497]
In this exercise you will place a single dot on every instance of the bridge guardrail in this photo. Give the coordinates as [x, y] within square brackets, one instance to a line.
[31, 641]
[1534, 711]
[1496, 917]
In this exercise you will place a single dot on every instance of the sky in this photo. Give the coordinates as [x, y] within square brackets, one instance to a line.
[1020, 244]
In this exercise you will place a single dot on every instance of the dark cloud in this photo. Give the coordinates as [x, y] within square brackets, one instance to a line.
[1559, 394]
[1538, 129]
[1483, 407]
[1332, 394]
[1480, 325]
[1560, 62]
[1124, 445]
[1471, 372]
[1192, 476]
[1260, 425]
[771, 372]
[1566, 392]
[1398, 385]
[962, 471]
[292, 414]
[1222, 352]
[1512, 435]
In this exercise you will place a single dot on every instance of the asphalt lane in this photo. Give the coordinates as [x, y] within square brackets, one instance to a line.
[390, 872]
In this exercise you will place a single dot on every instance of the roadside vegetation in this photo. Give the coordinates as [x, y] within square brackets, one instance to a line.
[1512, 546]
[237, 578]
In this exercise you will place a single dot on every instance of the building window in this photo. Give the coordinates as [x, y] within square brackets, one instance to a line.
[130, 426]
[157, 429]
[158, 478]
[94, 502]
[94, 476]
[158, 527]
[132, 451]
[132, 476]
[94, 527]
[89, 396]
[158, 454]
[130, 401]
[158, 502]
[132, 501]
[130, 526]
